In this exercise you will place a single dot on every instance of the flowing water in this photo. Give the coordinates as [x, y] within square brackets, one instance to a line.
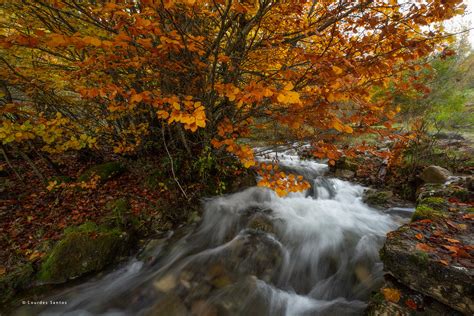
[254, 253]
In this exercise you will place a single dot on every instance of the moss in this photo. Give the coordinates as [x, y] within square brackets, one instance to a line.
[105, 171]
[425, 212]
[462, 194]
[436, 203]
[60, 179]
[378, 298]
[20, 278]
[85, 249]
[378, 198]
[420, 258]
[121, 215]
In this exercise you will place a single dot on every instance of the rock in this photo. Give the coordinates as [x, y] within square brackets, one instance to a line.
[435, 174]
[87, 248]
[396, 299]
[344, 173]
[378, 199]
[12, 282]
[261, 222]
[166, 283]
[104, 171]
[170, 305]
[426, 267]
[346, 164]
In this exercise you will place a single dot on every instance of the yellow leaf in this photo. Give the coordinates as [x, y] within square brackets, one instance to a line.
[392, 295]
[289, 86]
[337, 70]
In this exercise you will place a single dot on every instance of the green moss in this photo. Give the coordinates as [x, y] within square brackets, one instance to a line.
[462, 194]
[436, 203]
[105, 171]
[378, 198]
[86, 249]
[420, 258]
[121, 214]
[425, 212]
[15, 281]
[60, 179]
[378, 298]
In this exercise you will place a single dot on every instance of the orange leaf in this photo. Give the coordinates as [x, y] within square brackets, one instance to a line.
[392, 295]
[424, 247]
[3, 270]
[454, 241]
[443, 262]
[419, 236]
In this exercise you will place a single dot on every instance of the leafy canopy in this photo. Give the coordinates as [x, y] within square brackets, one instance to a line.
[116, 75]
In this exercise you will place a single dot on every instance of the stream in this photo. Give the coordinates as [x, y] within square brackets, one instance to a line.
[253, 253]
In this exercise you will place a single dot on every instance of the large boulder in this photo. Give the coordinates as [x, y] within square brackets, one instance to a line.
[85, 249]
[434, 257]
[435, 174]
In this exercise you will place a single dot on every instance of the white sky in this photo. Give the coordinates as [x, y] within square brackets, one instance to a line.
[465, 21]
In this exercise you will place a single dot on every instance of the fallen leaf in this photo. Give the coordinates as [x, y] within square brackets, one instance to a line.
[411, 303]
[419, 236]
[443, 262]
[424, 247]
[455, 241]
[392, 295]
[3, 270]
[468, 216]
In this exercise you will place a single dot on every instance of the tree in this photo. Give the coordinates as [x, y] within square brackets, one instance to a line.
[118, 75]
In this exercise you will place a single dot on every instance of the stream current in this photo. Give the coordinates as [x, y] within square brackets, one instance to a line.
[253, 253]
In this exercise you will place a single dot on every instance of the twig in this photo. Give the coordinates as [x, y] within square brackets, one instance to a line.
[172, 165]
[10, 165]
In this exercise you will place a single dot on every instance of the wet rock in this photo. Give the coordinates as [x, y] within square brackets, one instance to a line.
[344, 173]
[435, 174]
[170, 305]
[378, 199]
[87, 248]
[14, 281]
[427, 267]
[165, 284]
[104, 171]
[203, 308]
[396, 299]
[261, 222]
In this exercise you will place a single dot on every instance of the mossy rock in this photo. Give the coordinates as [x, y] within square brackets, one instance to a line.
[436, 203]
[87, 248]
[14, 281]
[105, 171]
[376, 198]
[426, 212]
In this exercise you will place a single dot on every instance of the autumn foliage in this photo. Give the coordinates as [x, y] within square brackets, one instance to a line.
[122, 77]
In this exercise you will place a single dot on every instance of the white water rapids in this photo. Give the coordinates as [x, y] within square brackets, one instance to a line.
[318, 255]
